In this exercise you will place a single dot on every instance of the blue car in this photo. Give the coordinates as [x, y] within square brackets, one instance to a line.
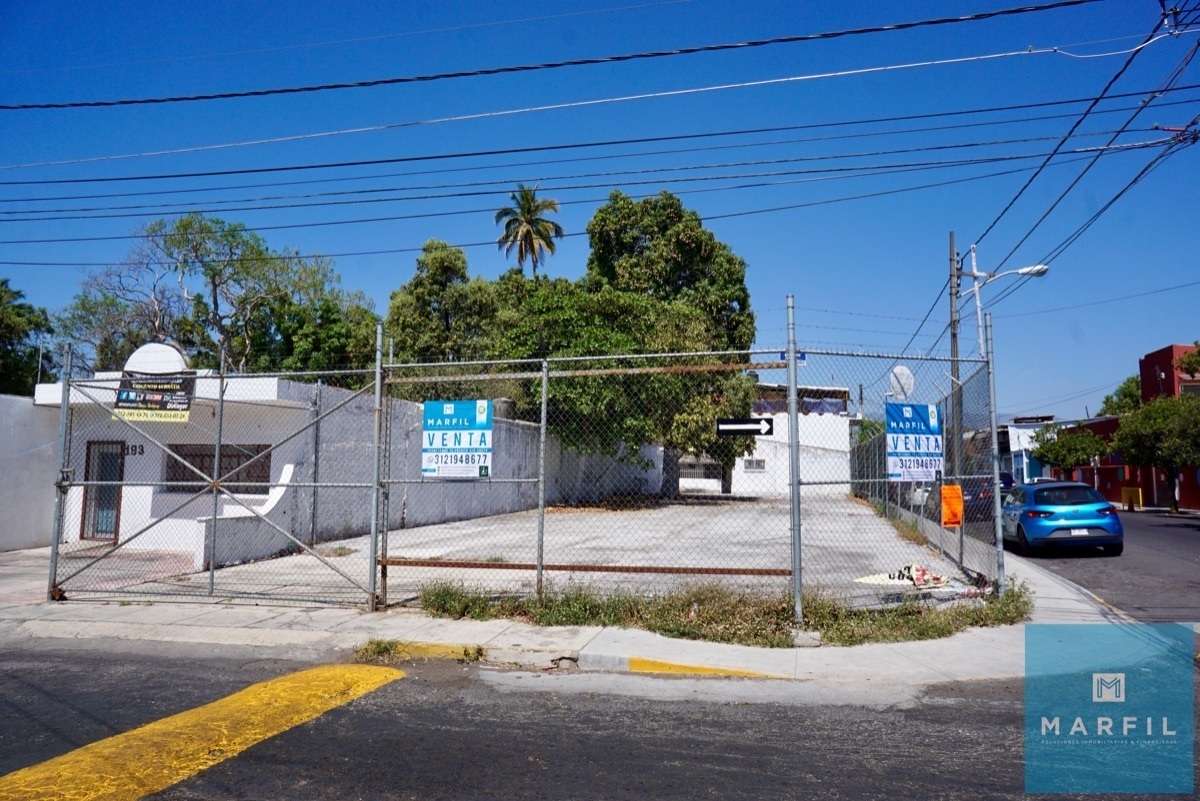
[1061, 513]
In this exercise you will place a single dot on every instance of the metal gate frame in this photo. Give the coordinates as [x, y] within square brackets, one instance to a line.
[217, 485]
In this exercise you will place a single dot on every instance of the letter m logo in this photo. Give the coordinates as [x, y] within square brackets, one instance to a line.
[1108, 687]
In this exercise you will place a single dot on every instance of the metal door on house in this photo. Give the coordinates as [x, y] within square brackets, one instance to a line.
[102, 503]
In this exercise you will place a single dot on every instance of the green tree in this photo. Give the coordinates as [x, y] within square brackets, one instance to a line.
[616, 414]
[122, 307]
[229, 276]
[658, 248]
[1164, 433]
[21, 325]
[1124, 399]
[202, 284]
[527, 228]
[1189, 362]
[441, 314]
[1057, 447]
[317, 326]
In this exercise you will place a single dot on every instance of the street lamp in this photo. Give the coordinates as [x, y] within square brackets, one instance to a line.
[1036, 271]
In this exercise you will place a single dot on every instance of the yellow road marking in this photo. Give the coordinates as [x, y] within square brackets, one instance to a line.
[639, 665]
[152, 758]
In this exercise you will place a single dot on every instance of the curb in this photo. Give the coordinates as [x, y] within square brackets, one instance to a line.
[544, 659]
[637, 664]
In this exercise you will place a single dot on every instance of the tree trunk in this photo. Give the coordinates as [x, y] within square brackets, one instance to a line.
[726, 480]
[670, 474]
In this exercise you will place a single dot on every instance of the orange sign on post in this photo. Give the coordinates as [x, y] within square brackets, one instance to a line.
[952, 506]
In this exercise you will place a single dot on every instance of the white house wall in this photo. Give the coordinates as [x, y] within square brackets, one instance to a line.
[29, 467]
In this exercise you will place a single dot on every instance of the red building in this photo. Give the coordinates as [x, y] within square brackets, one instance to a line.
[1158, 377]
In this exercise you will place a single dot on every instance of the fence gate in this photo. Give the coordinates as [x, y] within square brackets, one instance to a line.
[205, 502]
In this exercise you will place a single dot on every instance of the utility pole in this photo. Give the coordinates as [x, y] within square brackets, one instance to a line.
[955, 395]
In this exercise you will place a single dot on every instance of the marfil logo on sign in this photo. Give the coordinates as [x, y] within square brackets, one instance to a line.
[1108, 688]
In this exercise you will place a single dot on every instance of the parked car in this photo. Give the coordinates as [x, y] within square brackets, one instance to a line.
[977, 496]
[1061, 513]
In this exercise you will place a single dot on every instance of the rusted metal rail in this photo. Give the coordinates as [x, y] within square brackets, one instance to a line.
[393, 561]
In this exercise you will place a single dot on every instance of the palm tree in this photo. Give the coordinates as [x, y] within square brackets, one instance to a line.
[526, 228]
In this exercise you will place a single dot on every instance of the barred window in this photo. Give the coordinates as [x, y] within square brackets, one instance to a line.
[254, 479]
[755, 465]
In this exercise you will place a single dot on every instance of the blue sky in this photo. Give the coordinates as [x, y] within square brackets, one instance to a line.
[864, 272]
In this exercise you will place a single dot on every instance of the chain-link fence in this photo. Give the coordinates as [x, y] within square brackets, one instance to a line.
[204, 499]
[640, 473]
[913, 504]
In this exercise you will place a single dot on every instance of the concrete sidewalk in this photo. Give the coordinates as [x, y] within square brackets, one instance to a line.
[332, 633]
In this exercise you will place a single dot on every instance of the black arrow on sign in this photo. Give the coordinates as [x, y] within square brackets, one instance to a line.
[750, 426]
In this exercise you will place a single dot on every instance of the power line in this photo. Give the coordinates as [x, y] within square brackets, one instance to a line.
[1177, 73]
[645, 55]
[1072, 130]
[517, 150]
[755, 185]
[574, 104]
[1177, 143]
[907, 345]
[1116, 299]
[85, 213]
[600, 157]
[361, 39]
[492, 243]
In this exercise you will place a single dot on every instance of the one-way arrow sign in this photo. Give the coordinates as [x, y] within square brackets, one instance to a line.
[753, 426]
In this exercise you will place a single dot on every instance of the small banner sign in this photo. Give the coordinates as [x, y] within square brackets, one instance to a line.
[952, 506]
[914, 442]
[456, 439]
[155, 397]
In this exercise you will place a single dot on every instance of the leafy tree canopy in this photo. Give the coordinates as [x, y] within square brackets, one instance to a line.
[205, 284]
[1124, 399]
[1189, 362]
[658, 248]
[671, 288]
[1067, 449]
[1164, 433]
[441, 314]
[20, 326]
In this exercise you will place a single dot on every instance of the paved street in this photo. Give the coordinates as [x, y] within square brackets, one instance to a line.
[453, 731]
[1156, 579]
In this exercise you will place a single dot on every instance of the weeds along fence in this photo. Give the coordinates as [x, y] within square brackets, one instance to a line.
[641, 473]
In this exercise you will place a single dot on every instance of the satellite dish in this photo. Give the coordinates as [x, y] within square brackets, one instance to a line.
[902, 382]
[156, 358]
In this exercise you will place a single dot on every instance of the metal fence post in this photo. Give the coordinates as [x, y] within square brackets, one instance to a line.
[991, 371]
[541, 527]
[386, 490]
[316, 470]
[63, 462]
[216, 474]
[374, 565]
[794, 463]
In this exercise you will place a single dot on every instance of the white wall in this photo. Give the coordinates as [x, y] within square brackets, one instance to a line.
[28, 467]
[824, 456]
